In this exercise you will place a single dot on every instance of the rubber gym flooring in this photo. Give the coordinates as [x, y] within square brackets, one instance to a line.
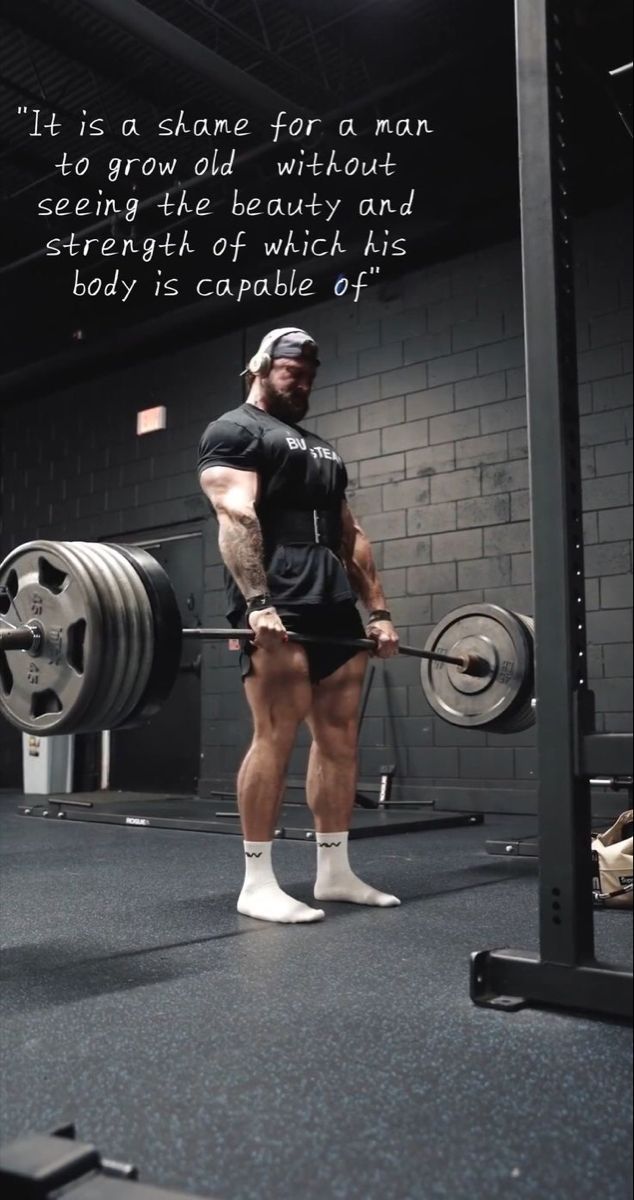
[341, 1061]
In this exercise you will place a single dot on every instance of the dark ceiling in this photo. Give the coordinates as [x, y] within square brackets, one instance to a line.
[451, 61]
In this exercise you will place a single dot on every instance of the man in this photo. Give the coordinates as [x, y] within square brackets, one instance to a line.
[295, 560]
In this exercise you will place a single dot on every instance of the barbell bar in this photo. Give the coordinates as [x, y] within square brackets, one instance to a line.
[31, 637]
[22, 637]
[95, 642]
[470, 664]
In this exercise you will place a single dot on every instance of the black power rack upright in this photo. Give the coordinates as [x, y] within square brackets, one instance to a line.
[565, 973]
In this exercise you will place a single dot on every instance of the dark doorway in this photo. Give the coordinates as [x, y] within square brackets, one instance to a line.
[164, 755]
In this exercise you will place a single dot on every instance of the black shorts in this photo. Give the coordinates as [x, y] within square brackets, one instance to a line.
[329, 620]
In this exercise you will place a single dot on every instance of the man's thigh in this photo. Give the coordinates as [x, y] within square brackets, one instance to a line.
[328, 623]
[278, 688]
[333, 716]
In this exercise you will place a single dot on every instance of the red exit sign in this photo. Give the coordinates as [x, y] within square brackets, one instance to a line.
[150, 420]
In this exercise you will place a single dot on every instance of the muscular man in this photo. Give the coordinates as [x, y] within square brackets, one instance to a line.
[295, 560]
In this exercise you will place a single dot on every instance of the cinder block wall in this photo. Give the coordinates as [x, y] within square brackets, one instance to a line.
[422, 391]
[73, 467]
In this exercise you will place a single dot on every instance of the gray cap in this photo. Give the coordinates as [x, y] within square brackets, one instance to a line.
[283, 343]
[296, 344]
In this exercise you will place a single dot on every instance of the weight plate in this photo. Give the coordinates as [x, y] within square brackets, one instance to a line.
[132, 653]
[49, 691]
[115, 636]
[130, 645]
[498, 637]
[167, 632]
[524, 716]
[145, 644]
[141, 635]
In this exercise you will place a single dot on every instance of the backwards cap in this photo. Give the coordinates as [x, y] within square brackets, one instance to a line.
[283, 343]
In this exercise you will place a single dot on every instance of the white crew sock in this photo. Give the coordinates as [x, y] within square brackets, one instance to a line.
[336, 879]
[262, 897]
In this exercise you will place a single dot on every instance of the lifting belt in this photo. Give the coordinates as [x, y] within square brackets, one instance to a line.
[319, 526]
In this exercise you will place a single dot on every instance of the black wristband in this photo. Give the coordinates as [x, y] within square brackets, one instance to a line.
[259, 604]
[379, 614]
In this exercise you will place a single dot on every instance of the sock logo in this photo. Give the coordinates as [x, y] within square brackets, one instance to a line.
[258, 855]
[328, 845]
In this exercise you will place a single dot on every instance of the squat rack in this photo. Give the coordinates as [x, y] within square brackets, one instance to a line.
[565, 972]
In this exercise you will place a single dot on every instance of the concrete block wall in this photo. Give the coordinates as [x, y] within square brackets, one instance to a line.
[74, 468]
[422, 391]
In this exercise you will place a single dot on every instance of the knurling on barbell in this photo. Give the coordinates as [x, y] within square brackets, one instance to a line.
[100, 636]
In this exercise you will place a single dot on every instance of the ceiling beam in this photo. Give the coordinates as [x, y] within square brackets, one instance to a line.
[50, 32]
[262, 48]
[175, 44]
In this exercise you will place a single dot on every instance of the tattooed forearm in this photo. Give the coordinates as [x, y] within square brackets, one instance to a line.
[360, 566]
[242, 549]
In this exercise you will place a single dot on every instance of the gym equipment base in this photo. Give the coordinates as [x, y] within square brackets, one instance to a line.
[513, 979]
[43, 1166]
[218, 815]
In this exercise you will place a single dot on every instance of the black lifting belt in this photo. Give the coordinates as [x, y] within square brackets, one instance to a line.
[319, 525]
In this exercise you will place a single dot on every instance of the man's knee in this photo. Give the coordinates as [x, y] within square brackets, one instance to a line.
[274, 741]
[337, 743]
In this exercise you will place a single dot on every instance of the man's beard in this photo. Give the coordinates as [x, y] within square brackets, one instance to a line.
[286, 406]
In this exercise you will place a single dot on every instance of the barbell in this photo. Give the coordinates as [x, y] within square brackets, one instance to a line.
[91, 639]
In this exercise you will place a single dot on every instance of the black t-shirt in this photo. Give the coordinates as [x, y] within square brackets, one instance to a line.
[298, 471]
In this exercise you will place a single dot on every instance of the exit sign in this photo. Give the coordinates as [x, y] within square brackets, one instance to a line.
[150, 420]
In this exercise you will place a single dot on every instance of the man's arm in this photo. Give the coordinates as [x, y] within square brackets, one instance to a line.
[361, 570]
[233, 495]
[359, 563]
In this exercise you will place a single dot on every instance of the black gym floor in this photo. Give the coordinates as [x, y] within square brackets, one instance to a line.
[342, 1061]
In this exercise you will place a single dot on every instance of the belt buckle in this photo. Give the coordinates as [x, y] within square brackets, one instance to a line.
[316, 526]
